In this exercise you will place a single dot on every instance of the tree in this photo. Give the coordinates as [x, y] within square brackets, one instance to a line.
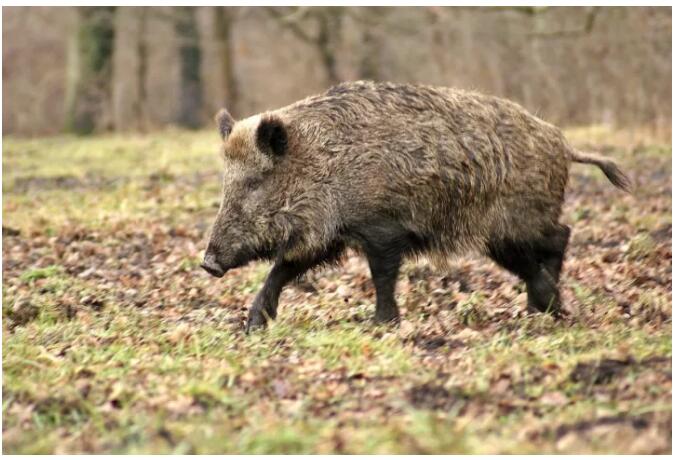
[90, 69]
[140, 105]
[371, 45]
[190, 90]
[224, 18]
[327, 36]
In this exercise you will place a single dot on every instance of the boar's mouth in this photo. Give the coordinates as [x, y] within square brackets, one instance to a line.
[213, 269]
[220, 268]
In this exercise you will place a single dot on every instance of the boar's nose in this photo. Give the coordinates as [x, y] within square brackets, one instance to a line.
[211, 266]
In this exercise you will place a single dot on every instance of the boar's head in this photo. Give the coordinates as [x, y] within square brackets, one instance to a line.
[266, 194]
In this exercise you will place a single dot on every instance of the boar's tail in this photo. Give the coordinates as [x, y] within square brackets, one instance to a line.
[608, 166]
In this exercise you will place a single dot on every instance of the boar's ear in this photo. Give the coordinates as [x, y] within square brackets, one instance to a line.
[271, 136]
[225, 122]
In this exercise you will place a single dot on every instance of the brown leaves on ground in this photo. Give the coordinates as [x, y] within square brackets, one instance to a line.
[116, 341]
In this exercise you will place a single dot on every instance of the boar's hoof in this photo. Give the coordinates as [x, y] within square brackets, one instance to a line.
[257, 320]
[387, 318]
[543, 295]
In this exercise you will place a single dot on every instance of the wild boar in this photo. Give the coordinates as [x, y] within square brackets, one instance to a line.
[394, 171]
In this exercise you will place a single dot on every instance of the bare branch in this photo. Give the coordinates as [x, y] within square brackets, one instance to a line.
[292, 21]
[375, 16]
[588, 26]
[524, 10]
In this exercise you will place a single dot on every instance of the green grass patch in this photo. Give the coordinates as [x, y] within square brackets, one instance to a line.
[115, 341]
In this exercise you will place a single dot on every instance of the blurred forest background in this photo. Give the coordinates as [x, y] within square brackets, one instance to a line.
[141, 68]
[115, 341]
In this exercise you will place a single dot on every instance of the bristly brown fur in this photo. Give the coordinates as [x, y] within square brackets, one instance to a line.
[398, 170]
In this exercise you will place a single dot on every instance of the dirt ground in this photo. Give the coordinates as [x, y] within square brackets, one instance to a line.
[115, 341]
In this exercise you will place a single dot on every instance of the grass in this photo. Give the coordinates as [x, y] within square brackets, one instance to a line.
[114, 341]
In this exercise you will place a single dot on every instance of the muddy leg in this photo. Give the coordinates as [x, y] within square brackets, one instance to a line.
[384, 265]
[552, 250]
[265, 304]
[524, 260]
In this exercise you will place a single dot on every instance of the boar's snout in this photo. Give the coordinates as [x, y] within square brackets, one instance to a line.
[211, 265]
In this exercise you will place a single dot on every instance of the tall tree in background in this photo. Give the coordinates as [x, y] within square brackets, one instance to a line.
[90, 72]
[574, 65]
[370, 51]
[140, 105]
[190, 59]
[327, 21]
[224, 18]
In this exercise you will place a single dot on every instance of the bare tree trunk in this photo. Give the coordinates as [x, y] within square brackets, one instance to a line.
[190, 96]
[328, 40]
[140, 106]
[89, 85]
[223, 24]
[329, 25]
[370, 49]
[438, 26]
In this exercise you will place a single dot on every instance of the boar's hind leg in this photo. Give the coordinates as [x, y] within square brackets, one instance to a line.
[538, 263]
[267, 299]
[552, 252]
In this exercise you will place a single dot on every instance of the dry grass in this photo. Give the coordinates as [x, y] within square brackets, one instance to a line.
[115, 341]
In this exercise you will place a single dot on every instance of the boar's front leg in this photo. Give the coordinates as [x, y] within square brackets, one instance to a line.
[266, 301]
[283, 271]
